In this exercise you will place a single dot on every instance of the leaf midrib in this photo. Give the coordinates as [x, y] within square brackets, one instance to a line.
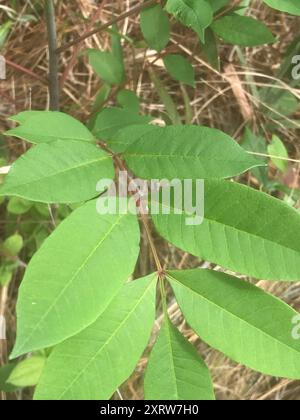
[58, 173]
[71, 280]
[181, 156]
[172, 355]
[15, 133]
[243, 232]
[106, 343]
[221, 308]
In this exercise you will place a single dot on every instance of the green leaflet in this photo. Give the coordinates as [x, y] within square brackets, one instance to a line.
[4, 32]
[28, 372]
[218, 4]
[172, 114]
[244, 230]
[278, 104]
[242, 30]
[108, 66]
[155, 26]
[288, 6]
[18, 206]
[93, 364]
[240, 320]
[24, 116]
[12, 245]
[195, 14]
[5, 371]
[277, 148]
[120, 142]
[48, 126]
[58, 172]
[175, 370]
[189, 152]
[73, 277]
[180, 69]
[210, 49]
[129, 100]
[257, 144]
[111, 120]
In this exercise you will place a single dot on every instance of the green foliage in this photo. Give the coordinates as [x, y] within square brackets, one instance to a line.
[73, 279]
[171, 108]
[18, 206]
[243, 231]
[175, 370]
[210, 49]
[5, 372]
[187, 152]
[289, 6]
[6, 274]
[108, 66]
[242, 30]
[277, 148]
[58, 172]
[112, 120]
[180, 69]
[27, 373]
[195, 14]
[128, 100]
[106, 353]
[279, 105]
[46, 127]
[218, 4]
[80, 314]
[257, 144]
[4, 32]
[13, 245]
[155, 27]
[237, 318]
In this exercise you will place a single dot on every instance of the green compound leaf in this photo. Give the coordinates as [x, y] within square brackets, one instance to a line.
[175, 370]
[74, 276]
[188, 152]
[48, 126]
[242, 30]
[244, 230]
[240, 320]
[93, 364]
[58, 172]
[155, 27]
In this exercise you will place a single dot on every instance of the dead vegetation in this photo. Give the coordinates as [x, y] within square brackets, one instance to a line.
[224, 100]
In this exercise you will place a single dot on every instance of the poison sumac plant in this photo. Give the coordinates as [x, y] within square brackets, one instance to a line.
[75, 298]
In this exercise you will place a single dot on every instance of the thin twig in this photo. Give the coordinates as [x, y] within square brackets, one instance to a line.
[53, 58]
[101, 28]
[143, 218]
[25, 71]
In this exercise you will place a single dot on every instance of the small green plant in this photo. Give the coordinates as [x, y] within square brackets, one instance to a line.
[85, 323]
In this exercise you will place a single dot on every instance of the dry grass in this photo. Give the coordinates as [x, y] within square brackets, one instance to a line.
[222, 100]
